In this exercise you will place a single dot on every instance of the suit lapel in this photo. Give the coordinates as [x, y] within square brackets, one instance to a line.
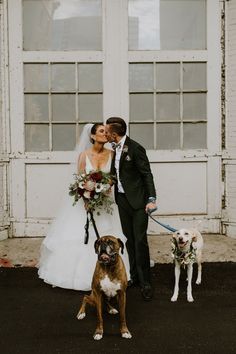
[124, 151]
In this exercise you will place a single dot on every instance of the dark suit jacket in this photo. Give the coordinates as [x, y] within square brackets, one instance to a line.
[135, 174]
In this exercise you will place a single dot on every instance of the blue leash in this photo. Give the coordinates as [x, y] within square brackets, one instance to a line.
[168, 227]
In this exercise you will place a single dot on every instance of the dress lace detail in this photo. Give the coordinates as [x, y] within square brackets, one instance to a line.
[65, 261]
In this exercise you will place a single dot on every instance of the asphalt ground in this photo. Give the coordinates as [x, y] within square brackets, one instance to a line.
[36, 318]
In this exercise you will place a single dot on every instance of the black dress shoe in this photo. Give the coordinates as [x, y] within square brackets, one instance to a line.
[132, 282]
[147, 292]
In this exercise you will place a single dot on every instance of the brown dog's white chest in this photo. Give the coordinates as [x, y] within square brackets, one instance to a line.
[109, 287]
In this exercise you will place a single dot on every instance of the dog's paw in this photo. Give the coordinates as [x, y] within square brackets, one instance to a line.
[190, 299]
[81, 315]
[97, 336]
[174, 298]
[113, 311]
[126, 335]
[198, 281]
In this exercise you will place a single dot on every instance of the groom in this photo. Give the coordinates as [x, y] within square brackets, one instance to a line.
[135, 194]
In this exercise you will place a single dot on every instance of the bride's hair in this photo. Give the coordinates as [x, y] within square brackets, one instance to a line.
[94, 130]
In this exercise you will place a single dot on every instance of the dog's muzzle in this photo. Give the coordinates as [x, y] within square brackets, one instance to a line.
[107, 259]
[106, 255]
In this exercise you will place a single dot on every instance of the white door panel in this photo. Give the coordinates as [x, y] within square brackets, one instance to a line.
[181, 187]
[46, 186]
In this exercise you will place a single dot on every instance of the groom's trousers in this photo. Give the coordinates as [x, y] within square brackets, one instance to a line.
[134, 224]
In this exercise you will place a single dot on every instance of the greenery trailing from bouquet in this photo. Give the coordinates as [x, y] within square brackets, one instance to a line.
[95, 189]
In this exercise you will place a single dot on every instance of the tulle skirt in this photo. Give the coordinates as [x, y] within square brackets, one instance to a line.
[65, 261]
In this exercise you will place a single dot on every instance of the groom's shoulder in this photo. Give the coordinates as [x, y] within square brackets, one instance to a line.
[135, 144]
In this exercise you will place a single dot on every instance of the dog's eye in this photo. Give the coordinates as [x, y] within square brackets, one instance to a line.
[178, 233]
[186, 233]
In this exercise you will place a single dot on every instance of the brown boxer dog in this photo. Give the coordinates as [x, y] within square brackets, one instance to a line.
[109, 280]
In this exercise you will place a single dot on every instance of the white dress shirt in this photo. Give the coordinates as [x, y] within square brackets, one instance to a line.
[119, 149]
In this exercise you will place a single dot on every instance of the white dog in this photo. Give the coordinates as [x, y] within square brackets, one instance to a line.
[187, 247]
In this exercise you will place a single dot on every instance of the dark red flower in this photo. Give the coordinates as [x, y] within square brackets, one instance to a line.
[80, 191]
[92, 193]
[96, 176]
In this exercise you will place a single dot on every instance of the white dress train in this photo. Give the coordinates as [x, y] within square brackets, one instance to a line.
[65, 261]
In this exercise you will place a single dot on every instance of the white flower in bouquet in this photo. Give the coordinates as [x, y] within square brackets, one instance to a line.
[87, 194]
[81, 184]
[98, 187]
[90, 185]
[106, 187]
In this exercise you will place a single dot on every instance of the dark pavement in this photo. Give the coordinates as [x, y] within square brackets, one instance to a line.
[38, 319]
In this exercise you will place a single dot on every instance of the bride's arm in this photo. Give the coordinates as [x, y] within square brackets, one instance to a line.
[81, 163]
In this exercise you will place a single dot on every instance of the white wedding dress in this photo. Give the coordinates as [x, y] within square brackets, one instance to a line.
[65, 260]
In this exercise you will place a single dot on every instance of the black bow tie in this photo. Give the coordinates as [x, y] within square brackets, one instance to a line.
[115, 146]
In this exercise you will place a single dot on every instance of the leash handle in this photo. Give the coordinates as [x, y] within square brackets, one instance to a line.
[86, 236]
[94, 224]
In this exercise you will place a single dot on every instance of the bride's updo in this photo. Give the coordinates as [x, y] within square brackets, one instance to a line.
[94, 131]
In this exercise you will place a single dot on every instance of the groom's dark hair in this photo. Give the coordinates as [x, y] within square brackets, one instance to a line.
[117, 125]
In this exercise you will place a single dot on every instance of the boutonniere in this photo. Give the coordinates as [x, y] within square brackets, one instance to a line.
[125, 149]
[127, 158]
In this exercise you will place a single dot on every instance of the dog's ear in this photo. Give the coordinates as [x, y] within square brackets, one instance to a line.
[121, 245]
[174, 235]
[96, 245]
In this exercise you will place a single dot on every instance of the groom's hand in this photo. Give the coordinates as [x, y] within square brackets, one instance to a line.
[150, 207]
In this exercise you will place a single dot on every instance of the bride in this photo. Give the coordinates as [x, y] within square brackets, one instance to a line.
[65, 261]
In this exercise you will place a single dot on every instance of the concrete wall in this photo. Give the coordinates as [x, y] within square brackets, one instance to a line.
[229, 160]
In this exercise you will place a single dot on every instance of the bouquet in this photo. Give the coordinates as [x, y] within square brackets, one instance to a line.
[95, 189]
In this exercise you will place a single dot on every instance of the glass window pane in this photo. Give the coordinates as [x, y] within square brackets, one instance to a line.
[183, 24]
[63, 107]
[36, 77]
[168, 136]
[168, 76]
[194, 106]
[63, 137]
[167, 24]
[144, 24]
[62, 25]
[90, 77]
[36, 137]
[141, 107]
[63, 77]
[141, 77]
[195, 136]
[36, 107]
[194, 76]
[90, 108]
[168, 106]
[143, 133]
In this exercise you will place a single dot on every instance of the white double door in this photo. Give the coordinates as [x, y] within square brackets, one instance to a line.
[188, 181]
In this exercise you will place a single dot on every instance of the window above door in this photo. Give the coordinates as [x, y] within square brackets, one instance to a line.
[167, 24]
[62, 25]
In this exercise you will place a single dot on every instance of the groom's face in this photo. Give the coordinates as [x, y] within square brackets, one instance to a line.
[111, 136]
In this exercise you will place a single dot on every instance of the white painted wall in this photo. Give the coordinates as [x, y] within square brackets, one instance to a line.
[230, 154]
[4, 160]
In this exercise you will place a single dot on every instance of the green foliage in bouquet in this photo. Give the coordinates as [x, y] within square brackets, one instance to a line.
[95, 189]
